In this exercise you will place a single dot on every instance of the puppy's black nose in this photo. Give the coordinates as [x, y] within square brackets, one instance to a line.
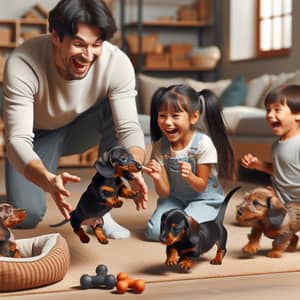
[240, 211]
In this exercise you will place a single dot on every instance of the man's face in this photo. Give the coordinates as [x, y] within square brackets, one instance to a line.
[74, 55]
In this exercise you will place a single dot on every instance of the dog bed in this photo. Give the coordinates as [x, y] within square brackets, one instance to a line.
[45, 260]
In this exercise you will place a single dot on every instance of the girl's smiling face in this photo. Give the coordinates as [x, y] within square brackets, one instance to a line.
[282, 121]
[177, 126]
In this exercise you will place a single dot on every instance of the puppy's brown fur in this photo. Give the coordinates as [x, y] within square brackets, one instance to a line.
[9, 217]
[266, 214]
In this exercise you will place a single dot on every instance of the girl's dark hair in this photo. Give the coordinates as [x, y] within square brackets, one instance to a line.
[66, 15]
[289, 94]
[185, 98]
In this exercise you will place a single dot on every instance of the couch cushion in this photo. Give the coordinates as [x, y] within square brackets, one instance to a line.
[235, 93]
[147, 85]
[256, 88]
[216, 86]
[246, 121]
[294, 79]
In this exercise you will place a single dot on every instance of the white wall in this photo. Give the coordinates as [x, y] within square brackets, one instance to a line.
[242, 29]
[13, 9]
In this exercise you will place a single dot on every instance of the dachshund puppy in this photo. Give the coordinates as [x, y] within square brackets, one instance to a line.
[266, 214]
[9, 217]
[186, 239]
[103, 192]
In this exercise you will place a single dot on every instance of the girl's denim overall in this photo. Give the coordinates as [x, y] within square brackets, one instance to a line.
[202, 206]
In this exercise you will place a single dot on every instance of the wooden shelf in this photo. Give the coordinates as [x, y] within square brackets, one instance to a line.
[171, 24]
[175, 69]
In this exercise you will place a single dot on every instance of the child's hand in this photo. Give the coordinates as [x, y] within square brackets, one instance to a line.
[185, 169]
[153, 169]
[249, 161]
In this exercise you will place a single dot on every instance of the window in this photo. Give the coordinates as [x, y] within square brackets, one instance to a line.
[274, 27]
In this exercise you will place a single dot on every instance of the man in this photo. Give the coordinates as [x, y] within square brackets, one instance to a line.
[64, 93]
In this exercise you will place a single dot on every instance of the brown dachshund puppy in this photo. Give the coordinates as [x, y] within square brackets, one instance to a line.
[103, 192]
[267, 215]
[186, 239]
[9, 217]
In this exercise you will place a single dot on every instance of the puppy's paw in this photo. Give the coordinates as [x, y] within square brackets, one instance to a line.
[186, 264]
[274, 254]
[250, 249]
[216, 261]
[171, 261]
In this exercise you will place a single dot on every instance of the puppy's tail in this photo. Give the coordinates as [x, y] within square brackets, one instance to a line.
[63, 222]
[221, 214]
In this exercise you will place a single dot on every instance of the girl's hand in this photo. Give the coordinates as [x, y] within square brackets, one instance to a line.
[249, 161]
[185, 169]
[153, 169]
[59, 192]
[138, 184]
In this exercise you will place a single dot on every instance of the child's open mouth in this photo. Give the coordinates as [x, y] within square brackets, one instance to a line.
[275, 125]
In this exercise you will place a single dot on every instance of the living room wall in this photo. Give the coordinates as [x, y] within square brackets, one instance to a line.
[255, 67]
[250, 68]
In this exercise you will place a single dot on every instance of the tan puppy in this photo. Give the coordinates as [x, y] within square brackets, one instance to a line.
[265, 213]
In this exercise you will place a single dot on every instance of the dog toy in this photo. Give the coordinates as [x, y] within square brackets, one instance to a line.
[103, 192]
[9, 217]
[124, 283]
[101, 280]
[186, 239]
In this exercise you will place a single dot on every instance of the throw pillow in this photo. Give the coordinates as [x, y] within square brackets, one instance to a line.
[147, 85]
[256, 88]
[216, 86]
[235, 93]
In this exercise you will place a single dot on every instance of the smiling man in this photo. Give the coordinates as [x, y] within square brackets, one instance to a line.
[64, 93]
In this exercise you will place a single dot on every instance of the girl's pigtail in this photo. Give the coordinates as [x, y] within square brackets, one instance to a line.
[155, 131]
[217, 132]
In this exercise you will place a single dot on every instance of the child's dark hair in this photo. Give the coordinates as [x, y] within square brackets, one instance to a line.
[66, 15]
[185, 98]
[289, 94]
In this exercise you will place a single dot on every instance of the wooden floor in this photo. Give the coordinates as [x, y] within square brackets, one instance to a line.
[267, 287]
[272, 286]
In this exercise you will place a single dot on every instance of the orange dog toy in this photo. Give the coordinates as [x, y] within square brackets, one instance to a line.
[124, 283]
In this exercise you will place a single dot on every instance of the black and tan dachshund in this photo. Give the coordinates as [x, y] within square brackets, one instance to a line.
[103, 192]
[186, 239]
[9, 217]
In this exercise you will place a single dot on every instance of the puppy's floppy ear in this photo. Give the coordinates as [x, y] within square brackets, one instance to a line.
[276, 211]
[104, 167]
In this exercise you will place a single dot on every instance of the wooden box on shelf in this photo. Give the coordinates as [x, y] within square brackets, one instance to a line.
[9, 31]
[157, 61]
[204, 10]
[179, 49]
[149, 42]
[187, 13]
[179, 62]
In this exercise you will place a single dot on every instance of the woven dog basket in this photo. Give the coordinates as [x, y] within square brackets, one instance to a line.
[32, 272]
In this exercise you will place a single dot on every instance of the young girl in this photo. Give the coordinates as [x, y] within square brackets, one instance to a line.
[283, 115]
[185, 162]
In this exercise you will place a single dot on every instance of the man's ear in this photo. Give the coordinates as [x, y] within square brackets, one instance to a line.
[195, 117]
[55, 38]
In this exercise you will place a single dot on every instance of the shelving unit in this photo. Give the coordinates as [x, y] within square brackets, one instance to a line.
[207, 32]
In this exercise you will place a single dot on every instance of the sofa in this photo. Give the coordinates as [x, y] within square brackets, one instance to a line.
[242, 103]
